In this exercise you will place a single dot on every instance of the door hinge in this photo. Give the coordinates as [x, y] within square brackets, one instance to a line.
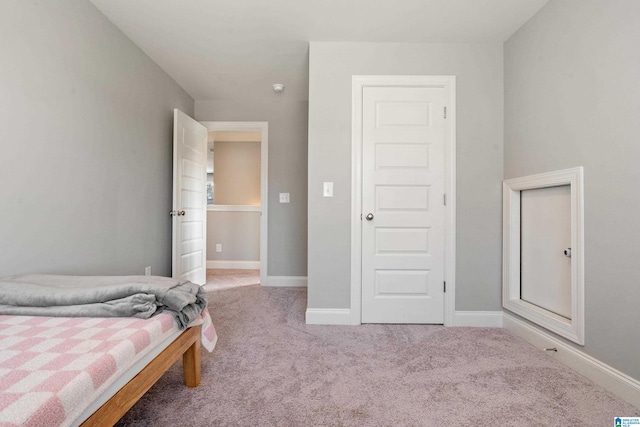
[445, 287]
[445, 112]
[444, 199]
[360, 217]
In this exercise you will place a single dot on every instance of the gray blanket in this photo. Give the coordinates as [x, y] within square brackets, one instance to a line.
[101, 296]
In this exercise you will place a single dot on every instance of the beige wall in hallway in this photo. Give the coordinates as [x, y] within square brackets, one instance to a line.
[236, 174]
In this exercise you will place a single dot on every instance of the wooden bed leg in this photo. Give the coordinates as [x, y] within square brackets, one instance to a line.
[191, 365]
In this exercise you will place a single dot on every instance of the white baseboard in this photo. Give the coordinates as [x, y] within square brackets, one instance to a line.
[602, 374]
[286, 281]
[235, 265]
[328, 316]
[480, 319]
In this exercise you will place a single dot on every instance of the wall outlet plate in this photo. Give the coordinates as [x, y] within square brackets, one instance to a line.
[218, 247]
[327, 189]
[284, 198]
[147, 271]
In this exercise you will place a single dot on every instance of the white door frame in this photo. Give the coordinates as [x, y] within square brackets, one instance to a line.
[263, 128]
[358, 85]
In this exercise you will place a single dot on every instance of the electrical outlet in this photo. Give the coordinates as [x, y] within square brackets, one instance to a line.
[147, 271]
[284, 198]
[218, 247]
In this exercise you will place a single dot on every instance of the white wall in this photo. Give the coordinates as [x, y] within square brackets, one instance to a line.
[478, 68]
[287, 118]
[572, 98]
[85, 143]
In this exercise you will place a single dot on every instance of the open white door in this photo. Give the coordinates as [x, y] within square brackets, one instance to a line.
[189, 256]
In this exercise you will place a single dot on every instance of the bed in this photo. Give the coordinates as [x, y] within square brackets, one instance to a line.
[70, 371]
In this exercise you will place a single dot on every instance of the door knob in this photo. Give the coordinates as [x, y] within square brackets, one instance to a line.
[182, 213]
[567, 252]
[369, 216]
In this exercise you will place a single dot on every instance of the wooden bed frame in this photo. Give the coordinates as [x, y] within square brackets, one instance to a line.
[186, 345]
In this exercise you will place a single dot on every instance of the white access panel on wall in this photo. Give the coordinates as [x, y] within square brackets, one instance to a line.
[545, 257]
[544, 217]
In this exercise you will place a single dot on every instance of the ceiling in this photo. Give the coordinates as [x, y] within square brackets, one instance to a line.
[236, 49]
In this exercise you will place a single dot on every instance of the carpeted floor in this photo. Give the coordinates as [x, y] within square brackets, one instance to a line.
[271, 369]
[222, 278]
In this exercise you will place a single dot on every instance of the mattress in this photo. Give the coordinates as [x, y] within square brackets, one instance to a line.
[53, 369]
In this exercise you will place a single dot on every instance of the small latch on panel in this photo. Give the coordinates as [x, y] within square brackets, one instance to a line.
[567, 252]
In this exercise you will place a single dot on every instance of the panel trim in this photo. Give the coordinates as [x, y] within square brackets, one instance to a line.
[285, 281]
[234, 208]
[328, 316]
[481, 319]
[358, 83]
[599, 372]
[572, 329]
[263, 128]
[235, 265]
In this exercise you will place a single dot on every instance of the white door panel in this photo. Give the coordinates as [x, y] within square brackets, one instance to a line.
[189, 199]
[545, 233]
[403, 187]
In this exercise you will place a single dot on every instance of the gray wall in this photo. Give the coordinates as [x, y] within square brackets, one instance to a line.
[239, 234]
[287, 235]
[86, 137]
[572, 98]
[478, 68]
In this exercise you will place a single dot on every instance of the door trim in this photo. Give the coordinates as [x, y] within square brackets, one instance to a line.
[263, 128]
[358, 83]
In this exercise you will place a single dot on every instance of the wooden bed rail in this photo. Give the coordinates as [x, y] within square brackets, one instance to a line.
[186, 345]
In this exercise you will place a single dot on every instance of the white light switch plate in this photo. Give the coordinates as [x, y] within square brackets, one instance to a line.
[327, 189]
[284, 197]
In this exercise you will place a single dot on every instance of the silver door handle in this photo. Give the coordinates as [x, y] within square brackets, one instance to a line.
[369, 216]
[182, 213]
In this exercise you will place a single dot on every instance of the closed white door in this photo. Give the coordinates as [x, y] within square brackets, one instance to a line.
[545, 268]
[189, 199]
[403, 220]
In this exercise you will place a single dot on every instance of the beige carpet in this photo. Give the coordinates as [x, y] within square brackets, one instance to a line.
[218, 278]
[271, 369]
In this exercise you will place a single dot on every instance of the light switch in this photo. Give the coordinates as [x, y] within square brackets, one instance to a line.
[284, 197]
[327, 189]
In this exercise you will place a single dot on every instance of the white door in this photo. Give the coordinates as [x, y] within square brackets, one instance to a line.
[402, 203]
[189, 199]
[545, 270]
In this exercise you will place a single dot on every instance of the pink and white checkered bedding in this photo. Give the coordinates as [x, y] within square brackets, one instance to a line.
[52, 368]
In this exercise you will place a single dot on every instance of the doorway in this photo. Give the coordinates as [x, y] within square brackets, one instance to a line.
[403, 199]
[237, 213]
